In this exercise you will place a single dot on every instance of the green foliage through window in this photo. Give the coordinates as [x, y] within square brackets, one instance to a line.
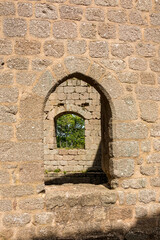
[70, 131]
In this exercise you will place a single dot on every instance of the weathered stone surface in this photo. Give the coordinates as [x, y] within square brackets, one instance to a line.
[149, 111]
[29, 130]
[5, 47]
[154, 209]
[156, 144]
[31, 172]
[155, 65]
[153, 158]
[112, 86]
[16, 220]
[25, 47]
[44, 231]
[136, 130]
[8, 114]
[147, 78]
[9, 95]
[5, 205]
[141, 211]
[155, 182]
[16, 191]
[152, 34]
[107, 31]
[127, 106]
[6, 132]
[2, 63]
[136, 17]
[131, 198]
[18, 63]
[44, 84]
[77, 64]
[4, 177]
[43, 10]
[26, 233]
[114, 64]
[155, 19]
[122, 167]
[121, 50]
[53, 48]
[145, 146]
[118, 16]
[136, 63]
[14, 27]
[7, 8]
[155, 130]
[98, 49]
[134, 183]
[128, 77]
[70, 12]
[125, 149]
[40, 64]
[148, 170]
[40, 28]
[111, 3]
[144, 5]
[43, 218]
[126, 4]
[129, 33]
[31, 204]
[18, 152]
[25, 9]
[64, 30]
[146, 50]
[25, 78]
[59, 71]
[148, 93]
[108, 198]
[6, 78]
[88, 30]
[81, 2]
[120, 213]
[95, 14]
[76, 47]
[96, 71]
[147, 196]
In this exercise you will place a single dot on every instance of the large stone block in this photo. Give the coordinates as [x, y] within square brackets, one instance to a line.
[53, 48]
[121, 50]
[116, 65]
[155, 19]
[144, 5]
[7, 8]
[88, 30]
[145, 50]
[98, 49]
[5, 205]
[9, 95]
[26, 78]
[134, 183]
[141, 211]
[18, 63]
[29, 130]
[155, 65]
[39, 64]
[128, 77]
[95, 14]
[64, 29]
[155, 130]
[107, 31]
[125, 149]
[40, 28]
[111, 3]
[148, 93]
[136, 17]
[43, 10]
[152, 34]
[31, 172]
[16, 220]
[25, 9]
[127, 3]
[147, 196]
[31, 203]
[6, 132]
[5, 47]
[149, 111]
[26, 47]
[131, 198]
[4, 177]
[70, 12]
[136, 63]
[14, 27]
[156, 144]
[153, 158]
[43, 218]
[120, 213]
[8, 114]
[147, 78]
[77, 64]
[129, 33]
[16, 191]
[118, 16]
[6, 78]
[96, 71]
[122, 167]
[76, 47]
[155, 182]
[26, 233]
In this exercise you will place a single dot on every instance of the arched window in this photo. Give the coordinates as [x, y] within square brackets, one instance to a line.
[70, 131]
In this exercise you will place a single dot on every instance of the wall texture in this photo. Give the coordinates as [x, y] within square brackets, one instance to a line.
[113, 45]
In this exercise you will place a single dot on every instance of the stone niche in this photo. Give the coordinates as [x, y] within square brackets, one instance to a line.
[78, 97]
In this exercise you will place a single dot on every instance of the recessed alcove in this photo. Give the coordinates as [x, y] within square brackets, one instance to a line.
[80, 96]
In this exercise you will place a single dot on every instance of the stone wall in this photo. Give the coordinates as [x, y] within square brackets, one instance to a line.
[114, 47]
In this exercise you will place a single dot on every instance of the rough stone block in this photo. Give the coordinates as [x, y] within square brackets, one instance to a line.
[147, 196]
[40, 28]
[98, 49]
[16, 220]
[156, 144]
[53, 48]
[70, 12]
[134, 183]
[149, 111]
[122, 167]
[59, 71]
[64, 30]
[16, 191]
[25, 47]
[29, 130]
[148, 93]
[25, 9]
[96, 71]
[155, 65]
[125, 149]
[128, 130]
[136, 17]
[44, 84]
[88, 30]
[6, 132]
[107, 31]
[5, 205]
[8, 114]
[77, 64]
[40, 64]
[141, 211]
[148, 170]
[128, 77]
[127, 105]
[116, 65]
[153, 158]
[144, 5]
[7, 8]
[121, 50]
[31, 172]
[155, 19]
[136, 63]
[147, 78]
[131, 198]
[155, 130]
[14, 27]
[120, 213]
[145, 50]
[43, 218]
[111, 3]
[31, 204]
[5, 47]
[118, 16]
[152, 34]
[154, 209]
[6, 78]
[43, 10]
[127, 3]
[18, 63]
[27, 233]
[25, 78]
[4, 177]
[81, 2]
[108, 198]
[145, 146]
[95, 14]
[76, 46]
[9, 95]
[129, 33]
[155, 182]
